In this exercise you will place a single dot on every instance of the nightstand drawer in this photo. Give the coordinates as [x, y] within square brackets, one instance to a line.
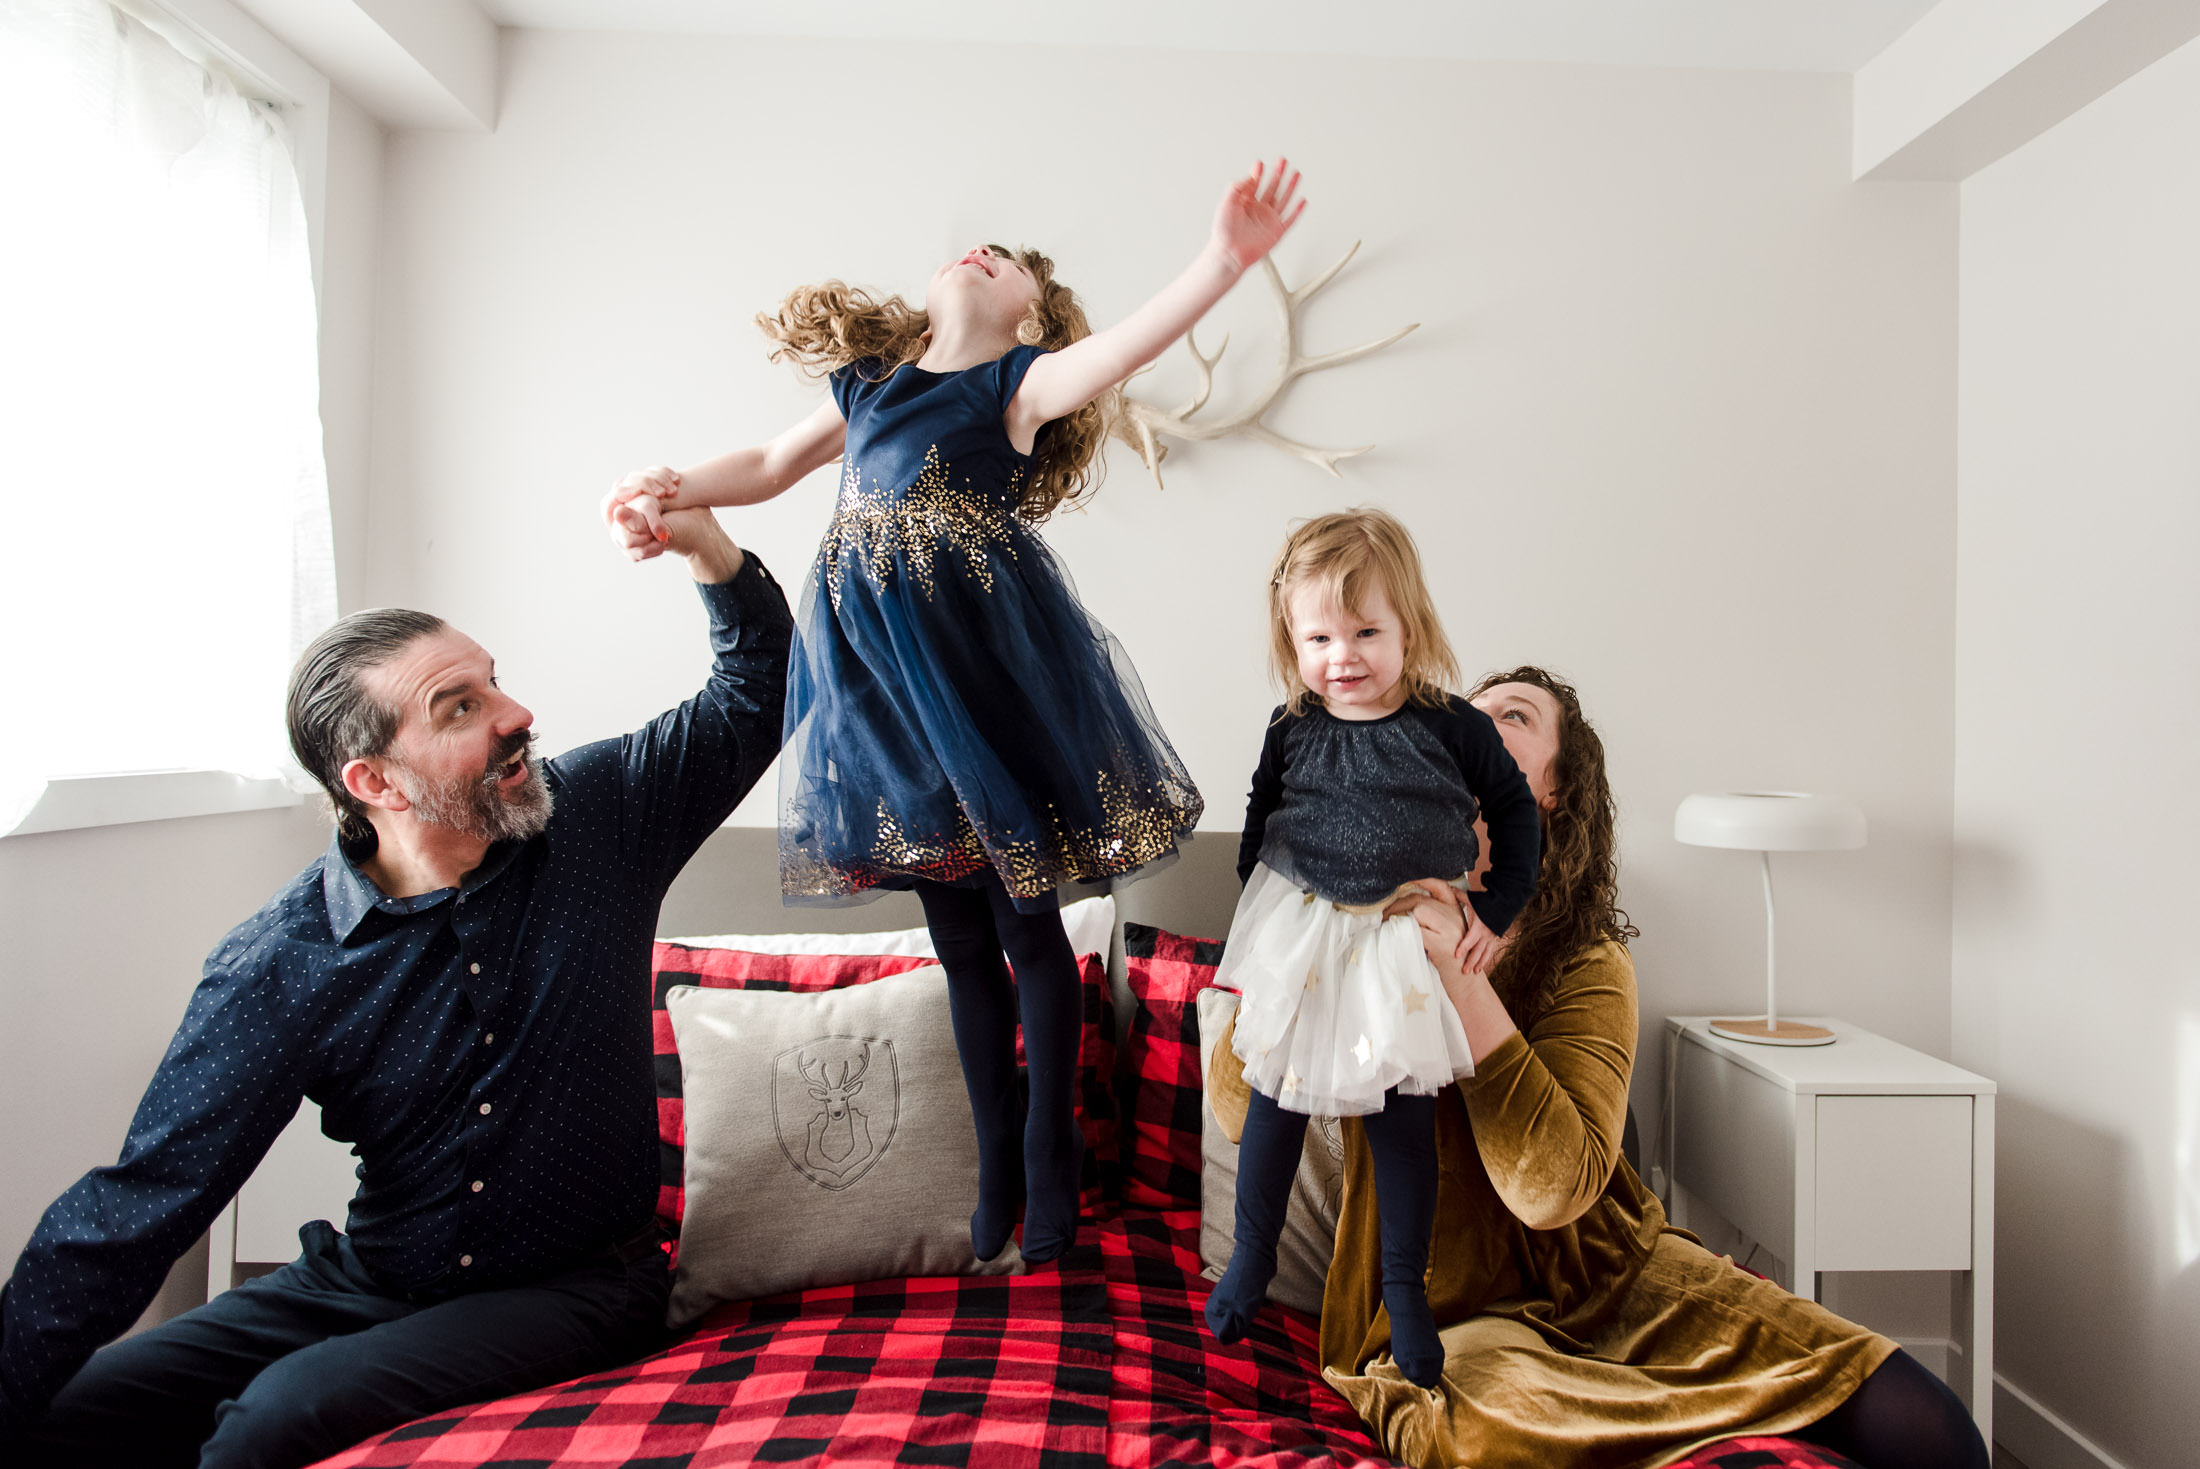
[1894, 1183]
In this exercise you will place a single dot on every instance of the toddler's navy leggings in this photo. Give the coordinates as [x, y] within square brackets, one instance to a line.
[1401, 1142]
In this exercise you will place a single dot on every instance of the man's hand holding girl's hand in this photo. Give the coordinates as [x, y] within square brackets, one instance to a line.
[635, 511]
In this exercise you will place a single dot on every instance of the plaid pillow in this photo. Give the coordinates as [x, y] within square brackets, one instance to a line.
[674, 964]
[1162, 1096]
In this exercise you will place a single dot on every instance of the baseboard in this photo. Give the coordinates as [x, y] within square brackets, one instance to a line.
[2030, 1430]
[1940, 1355]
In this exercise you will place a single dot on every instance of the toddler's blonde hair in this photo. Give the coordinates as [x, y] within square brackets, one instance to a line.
[1343, 556]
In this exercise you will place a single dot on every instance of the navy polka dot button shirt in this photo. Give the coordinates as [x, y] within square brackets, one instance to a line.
[485, 1049]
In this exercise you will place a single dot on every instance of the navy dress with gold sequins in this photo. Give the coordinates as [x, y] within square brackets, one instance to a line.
[952, 711]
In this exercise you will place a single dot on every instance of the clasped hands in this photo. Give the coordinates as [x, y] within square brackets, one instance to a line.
[1450, 928]
[642, 521]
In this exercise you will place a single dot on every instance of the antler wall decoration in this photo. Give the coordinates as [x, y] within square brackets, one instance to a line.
[1142, 425]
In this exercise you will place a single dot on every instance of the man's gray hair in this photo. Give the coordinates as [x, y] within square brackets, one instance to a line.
[333, 719]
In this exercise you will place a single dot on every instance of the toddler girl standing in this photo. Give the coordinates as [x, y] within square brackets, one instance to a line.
[956, 722]
[1370, 779]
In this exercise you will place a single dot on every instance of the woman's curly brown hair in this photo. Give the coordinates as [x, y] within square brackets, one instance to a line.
[1576, 900]
[832, 325]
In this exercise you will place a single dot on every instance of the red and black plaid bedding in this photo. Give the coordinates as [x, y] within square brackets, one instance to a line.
[1181, 1397]
[1098, 1363]
[957, 1370]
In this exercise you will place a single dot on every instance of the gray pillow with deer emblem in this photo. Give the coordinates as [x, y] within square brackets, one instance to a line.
[828, 1140]
[1310, 1220]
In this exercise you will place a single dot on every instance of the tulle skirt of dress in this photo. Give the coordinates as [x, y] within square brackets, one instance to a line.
[955, 715]
[1337, 1006]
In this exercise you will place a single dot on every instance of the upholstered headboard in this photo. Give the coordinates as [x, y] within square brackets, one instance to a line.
[732, 886]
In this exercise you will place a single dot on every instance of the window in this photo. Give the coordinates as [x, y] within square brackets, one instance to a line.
[167, 548]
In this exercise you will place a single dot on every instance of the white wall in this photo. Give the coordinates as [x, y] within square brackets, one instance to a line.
[103, 930]
[2078, 640]
[1678, 420]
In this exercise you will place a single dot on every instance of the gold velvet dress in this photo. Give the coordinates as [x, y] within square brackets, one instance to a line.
[1580, 1329]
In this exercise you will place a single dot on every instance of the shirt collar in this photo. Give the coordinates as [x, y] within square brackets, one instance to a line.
[351, 895]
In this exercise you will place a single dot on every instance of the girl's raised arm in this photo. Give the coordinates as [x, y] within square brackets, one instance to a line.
[1250, 220]
[743, 477]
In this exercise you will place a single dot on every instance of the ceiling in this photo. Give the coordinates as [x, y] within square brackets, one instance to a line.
[1770, 35]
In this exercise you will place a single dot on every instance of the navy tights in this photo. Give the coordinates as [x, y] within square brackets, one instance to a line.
[1401, 1142]
[1020, 1146]
[1903, 1417]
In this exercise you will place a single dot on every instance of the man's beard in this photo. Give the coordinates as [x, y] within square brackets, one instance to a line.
[476, 808]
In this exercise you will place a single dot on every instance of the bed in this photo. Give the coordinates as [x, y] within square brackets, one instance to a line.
[1099, 1359]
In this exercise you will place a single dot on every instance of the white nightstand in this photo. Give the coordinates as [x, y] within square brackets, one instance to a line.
[1861, 1155]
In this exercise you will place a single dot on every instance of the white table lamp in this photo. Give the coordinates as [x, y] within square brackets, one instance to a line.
[1765, 822]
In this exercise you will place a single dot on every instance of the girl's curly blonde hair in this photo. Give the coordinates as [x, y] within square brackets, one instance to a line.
[829, 326]
[1344, 556]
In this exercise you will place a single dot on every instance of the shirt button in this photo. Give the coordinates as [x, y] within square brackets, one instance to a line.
[473, 969]
[477, 1185]
[490, 1039]
[465, 1260]
[484, 1109]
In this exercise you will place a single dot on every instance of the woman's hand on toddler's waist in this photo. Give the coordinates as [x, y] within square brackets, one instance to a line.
[1450, 928]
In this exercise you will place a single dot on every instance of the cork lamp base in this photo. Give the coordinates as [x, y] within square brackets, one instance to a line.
[1784, 1033]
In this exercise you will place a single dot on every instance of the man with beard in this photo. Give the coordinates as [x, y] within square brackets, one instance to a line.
[462, 983]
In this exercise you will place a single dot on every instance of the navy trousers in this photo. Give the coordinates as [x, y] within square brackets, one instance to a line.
[305, 1362]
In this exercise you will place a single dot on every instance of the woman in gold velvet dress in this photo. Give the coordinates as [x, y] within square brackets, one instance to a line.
[1579, 1328]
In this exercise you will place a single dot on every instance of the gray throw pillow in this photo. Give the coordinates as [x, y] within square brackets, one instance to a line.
[828, 1140]
[1310, 1221]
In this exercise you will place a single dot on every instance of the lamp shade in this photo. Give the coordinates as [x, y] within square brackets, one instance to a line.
[1770, 821]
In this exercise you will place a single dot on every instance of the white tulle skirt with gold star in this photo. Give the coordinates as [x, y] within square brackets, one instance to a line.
[1338, 1004]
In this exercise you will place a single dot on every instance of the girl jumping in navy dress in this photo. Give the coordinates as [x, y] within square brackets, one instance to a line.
[956, 722]
[1370, 782]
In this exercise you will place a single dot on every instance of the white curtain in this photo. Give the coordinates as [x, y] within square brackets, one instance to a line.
[166, 549]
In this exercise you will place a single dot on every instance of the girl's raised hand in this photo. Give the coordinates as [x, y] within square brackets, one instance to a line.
[1254, 214]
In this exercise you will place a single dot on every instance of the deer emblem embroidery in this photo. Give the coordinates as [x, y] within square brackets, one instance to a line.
[835, 1111]
[840, 1134]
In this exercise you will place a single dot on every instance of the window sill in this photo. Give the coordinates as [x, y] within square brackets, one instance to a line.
[73, 802]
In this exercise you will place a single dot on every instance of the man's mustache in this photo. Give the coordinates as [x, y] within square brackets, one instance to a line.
[520, 741]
